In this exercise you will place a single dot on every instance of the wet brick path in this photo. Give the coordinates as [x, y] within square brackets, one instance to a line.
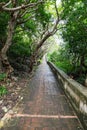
[44, 107]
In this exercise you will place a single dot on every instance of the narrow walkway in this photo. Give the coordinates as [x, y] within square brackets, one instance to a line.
[45, 107]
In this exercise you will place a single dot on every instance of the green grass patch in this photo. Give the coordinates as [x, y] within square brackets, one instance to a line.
[3, 90]
[2, 76]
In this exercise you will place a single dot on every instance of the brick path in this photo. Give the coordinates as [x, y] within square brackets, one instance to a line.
[44, 107]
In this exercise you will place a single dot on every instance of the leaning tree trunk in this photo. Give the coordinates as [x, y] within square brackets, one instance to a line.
[3, 54]
[44, 38]
[34, 55]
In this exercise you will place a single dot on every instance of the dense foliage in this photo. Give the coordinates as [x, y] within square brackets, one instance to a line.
[60, 59]
[24, 28]
[73, 58]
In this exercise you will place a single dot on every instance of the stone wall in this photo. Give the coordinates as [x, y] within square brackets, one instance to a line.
[76, 93]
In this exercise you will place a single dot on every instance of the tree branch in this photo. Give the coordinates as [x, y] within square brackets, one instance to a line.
[57, 21]
[1, 4]
[46, 36]
[49, 33]
[24, 21]
[25, 12]
[31, 5]
[45, 31]
[7, 4]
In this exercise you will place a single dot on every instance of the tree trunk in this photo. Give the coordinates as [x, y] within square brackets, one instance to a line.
[40, 44]
[32, 61]
[3, 54]
[86, 81]
[34, 55]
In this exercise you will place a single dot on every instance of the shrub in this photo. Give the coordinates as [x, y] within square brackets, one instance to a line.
[2, 76]
[3, 90]
[60, 61]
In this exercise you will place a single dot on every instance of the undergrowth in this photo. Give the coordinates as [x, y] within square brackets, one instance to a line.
[3, 89]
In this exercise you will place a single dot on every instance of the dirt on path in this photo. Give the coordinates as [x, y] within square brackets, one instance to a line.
[44, 106]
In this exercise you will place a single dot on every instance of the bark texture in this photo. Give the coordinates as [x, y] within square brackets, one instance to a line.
[3, 54]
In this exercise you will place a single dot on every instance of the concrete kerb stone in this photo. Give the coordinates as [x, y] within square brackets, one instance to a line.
[76, 93]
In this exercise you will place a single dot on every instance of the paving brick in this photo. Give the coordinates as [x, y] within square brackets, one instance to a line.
[45, 107]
